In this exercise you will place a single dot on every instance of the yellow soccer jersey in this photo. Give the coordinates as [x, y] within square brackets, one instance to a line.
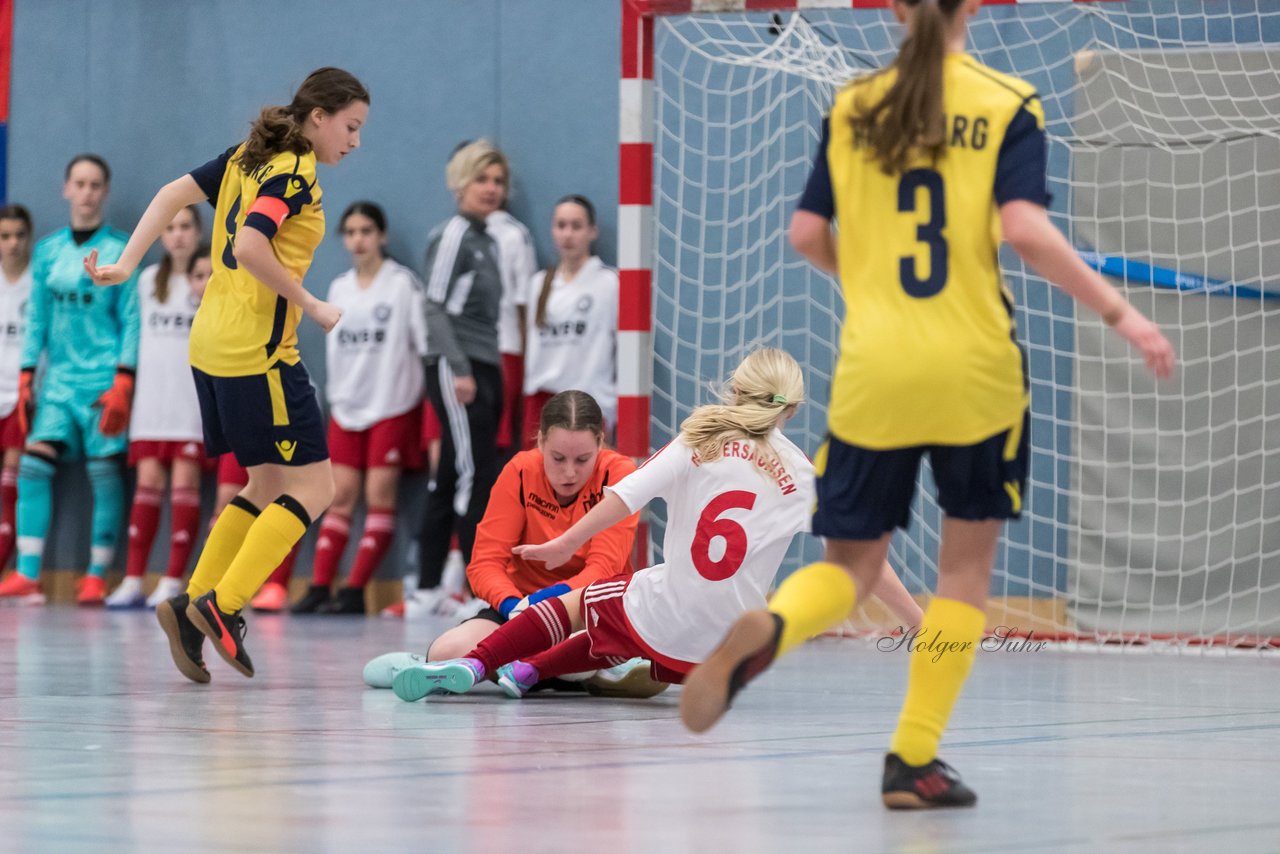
[243, 327]
[927, 351]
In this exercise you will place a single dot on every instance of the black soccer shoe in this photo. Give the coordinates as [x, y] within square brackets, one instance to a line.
[348, 600]
[316, 595]
[922, 787]
[227, 631]
[186, 642]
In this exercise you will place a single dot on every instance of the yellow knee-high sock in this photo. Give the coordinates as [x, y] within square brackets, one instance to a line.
[224, 540]
[271, 537]
[811, 600]
[944, 652]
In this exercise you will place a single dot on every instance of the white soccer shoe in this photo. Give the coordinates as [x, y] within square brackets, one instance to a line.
[630, 679]
[128, 595]
[380, 672]
[166, 588]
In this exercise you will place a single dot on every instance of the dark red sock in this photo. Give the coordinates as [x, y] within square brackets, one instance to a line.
[332, 542]
[572, 656]
[285, 570]
[379, 531]
[184, 521]
[8, 514]
[540, 626]
[144, 519]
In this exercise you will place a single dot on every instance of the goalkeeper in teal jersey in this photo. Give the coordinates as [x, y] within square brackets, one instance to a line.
[88, 337]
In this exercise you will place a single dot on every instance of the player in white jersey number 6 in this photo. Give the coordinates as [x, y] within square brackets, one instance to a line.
[737, 492]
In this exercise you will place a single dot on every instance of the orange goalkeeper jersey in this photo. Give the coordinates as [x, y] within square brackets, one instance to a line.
[523, 508]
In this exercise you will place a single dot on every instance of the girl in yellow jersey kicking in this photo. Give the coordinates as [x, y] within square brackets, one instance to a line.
[256, 398]
[926, 165]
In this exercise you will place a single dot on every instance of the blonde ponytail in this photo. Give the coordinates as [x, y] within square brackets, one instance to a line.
[764, 387]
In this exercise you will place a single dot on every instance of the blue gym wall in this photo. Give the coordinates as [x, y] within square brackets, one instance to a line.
[160, 87]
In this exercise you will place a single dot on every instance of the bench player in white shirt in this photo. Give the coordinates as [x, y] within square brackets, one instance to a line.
[572, 319]
[737, 492]
[165, 432]
[374, 386]
[15, 290]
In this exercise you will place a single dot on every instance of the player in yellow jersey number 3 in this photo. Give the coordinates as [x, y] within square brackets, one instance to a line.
[256, 398]
[925, 165]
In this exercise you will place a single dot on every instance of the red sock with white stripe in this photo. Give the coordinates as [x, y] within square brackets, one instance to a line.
[8, 513]
[539, 627]
[332, 542]
[379, 531]
[144, 520]
[184, 521]
[572, 656]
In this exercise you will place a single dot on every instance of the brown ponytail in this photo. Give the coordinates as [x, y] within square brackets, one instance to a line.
[540, 317]
[908, 118]
[279, 129]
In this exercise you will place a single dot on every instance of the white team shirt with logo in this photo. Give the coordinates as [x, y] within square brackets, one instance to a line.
[13, 324]
[732, 513]
[374, 354]
[165, 406]
[516, 263]
[577, 347]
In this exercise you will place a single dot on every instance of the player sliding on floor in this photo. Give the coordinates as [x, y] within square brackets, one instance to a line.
[924, 164]
[737, 492]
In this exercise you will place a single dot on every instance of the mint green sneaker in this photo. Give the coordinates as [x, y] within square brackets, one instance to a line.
[379, 672]
[454, 676]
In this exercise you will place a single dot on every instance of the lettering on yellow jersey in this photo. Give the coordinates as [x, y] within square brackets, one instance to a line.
[772, 467]
[542, 505]
[962, 132]
[260, 174]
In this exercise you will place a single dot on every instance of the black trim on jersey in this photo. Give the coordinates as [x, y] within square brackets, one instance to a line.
[1022, 163]
[262, 223]
[209, 175]
[986, 72]
[522, 489]
[277, 325]
[818, 197]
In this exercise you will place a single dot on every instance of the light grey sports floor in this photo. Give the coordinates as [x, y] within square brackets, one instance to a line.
[105, 747]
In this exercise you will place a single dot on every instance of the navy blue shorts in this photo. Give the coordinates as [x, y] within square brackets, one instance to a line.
[263, 418]
[864, 494]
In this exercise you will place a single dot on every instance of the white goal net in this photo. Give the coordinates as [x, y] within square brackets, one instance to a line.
[1152, 510]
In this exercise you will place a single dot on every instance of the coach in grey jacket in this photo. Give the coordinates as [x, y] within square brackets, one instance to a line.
[464, 375]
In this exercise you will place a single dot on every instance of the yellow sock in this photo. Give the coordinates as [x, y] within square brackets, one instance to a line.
[811, 600]
[944, 652]
[272, 536]
[224, 540]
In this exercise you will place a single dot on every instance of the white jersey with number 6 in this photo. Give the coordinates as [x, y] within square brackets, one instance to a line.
[729, 524]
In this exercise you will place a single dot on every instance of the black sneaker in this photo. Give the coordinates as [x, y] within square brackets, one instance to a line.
[922, 787]
[186, 642]
[348, 600]
[311, 601]
[225, 630]
[746, 651]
